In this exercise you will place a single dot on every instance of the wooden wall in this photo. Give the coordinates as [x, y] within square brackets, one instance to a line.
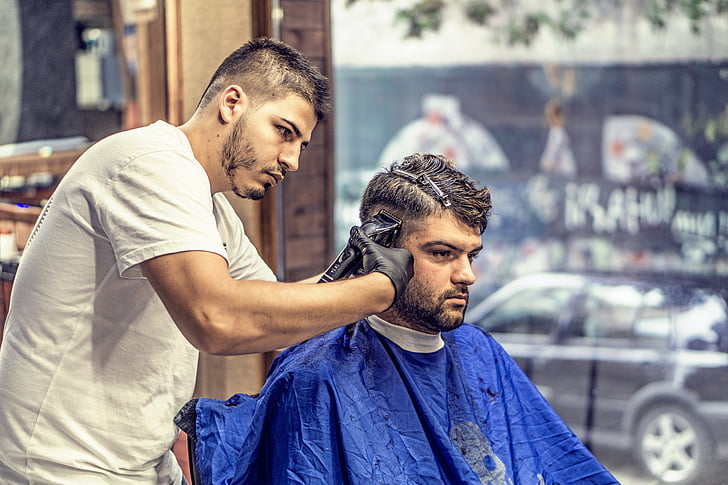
[307, 196]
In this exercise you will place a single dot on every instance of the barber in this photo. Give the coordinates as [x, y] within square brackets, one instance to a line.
[138, 262]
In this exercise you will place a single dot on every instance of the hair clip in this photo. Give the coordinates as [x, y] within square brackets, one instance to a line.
[423, 179]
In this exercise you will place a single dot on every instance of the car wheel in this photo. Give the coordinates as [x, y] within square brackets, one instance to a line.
[673, 445]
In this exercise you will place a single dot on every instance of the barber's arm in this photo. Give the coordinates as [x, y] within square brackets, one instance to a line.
[220, 315]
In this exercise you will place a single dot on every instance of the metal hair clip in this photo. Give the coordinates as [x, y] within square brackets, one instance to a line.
[423, 179]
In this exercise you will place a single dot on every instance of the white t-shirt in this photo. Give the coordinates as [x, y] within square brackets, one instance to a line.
[92, 367]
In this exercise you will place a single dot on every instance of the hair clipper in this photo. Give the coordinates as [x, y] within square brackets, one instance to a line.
[382, 229]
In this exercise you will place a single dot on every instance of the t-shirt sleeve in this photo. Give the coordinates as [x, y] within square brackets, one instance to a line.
[157, 204]
[244, 260]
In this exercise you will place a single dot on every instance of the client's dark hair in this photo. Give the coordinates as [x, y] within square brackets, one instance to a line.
[421, 185]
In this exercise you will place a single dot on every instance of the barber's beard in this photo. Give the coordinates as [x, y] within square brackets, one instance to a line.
[238, 154]
[425, 311]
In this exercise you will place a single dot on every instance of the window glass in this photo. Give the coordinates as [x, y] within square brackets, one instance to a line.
[652, 326]
[598, 163]
[704, 323]
[639, 316]
[533, 311]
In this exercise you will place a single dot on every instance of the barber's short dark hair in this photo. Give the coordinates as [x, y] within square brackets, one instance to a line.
[267, 69]
[402, 191]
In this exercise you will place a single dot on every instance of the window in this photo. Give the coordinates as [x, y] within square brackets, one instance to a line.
[534, 311]
[704, 323]
[639, 316]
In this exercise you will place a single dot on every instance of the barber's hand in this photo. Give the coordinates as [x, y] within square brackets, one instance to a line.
[396, 263]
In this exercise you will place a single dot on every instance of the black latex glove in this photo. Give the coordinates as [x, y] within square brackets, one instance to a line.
[396, 263]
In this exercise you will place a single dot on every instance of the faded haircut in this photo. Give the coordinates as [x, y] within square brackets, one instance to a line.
[413, 199]
[267, 69]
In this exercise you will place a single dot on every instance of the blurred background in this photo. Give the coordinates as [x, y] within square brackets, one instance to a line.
[601, 128]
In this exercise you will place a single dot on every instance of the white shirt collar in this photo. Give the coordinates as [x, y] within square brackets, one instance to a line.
[406, 338]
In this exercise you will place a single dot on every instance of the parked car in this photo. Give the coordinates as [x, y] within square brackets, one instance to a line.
[634, 362]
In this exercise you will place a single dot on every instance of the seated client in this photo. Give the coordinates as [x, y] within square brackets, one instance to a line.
[412, 395]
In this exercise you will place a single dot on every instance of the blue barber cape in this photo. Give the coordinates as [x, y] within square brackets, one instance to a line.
[351, 407]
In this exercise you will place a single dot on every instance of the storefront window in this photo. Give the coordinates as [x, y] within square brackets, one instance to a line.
[606, 150]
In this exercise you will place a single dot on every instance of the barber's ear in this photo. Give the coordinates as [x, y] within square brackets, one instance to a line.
[232, 103]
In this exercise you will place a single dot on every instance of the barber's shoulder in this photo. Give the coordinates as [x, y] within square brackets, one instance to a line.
[220, 201]
[135, 143]
[226, 217]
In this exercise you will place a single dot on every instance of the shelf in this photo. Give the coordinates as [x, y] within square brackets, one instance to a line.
[56, 163]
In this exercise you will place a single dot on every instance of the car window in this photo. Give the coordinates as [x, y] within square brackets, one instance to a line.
[704, 323]
[652, 325]
[638, 317]
[534, 311]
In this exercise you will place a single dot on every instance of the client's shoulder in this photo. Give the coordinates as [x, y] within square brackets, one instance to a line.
[329, 349]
